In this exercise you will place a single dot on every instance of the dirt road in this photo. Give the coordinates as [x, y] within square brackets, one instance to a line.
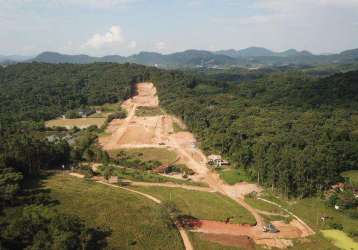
[157, 131]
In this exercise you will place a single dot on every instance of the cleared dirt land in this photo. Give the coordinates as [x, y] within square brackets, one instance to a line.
[157, 131]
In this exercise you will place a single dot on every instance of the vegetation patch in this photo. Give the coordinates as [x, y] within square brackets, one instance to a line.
[200, 243]
[202, 205]
[162, 155]
[340, 239]
[352, 176]
[262, 205]
[149, 111]
[134, 221]
[232, 176]
[142, 176]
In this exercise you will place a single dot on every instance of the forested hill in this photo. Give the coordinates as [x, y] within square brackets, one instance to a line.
[292, 133]
[43, 91]
[294, 89]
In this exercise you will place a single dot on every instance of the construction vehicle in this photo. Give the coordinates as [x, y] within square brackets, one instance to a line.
[270, 228]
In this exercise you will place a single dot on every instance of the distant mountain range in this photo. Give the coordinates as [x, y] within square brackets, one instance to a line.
[249, 57]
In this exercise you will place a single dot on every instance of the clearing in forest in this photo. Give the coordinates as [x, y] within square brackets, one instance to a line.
[157, 131]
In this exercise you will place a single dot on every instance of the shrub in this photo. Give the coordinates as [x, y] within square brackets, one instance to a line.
[336, 225]
[117, 115]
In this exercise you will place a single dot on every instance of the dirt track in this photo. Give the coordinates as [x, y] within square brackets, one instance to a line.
[182, 232]
[157, 131]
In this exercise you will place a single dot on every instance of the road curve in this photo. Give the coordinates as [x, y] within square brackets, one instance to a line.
[182, 232]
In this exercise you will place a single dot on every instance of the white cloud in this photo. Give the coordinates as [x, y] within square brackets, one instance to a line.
[132, 45]
[113, 36]
[160, 45]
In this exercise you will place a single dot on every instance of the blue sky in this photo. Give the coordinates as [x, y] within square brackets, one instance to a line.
[99, 27]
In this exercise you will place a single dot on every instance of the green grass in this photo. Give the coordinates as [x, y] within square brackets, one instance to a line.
[340, 239]
[202, 244]
[264, 206]
[352, 176]
[136, 222]
[202, 205]
[310, 209]
[148, 111]
[146, 176]
[232, 176]
[177, 128]
[110, 107]
[148, 154]
[314, 242]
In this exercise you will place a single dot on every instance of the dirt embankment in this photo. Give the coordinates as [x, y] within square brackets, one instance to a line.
[157, 131]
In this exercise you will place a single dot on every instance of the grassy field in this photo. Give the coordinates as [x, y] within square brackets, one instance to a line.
[352, 176]
[232, 176]
[80, 122]
[202, 205]
[202, 244]
[145, 176]
[110, 107]
[136, 222]
[148, 154]
[148, 111]
[340, 239]
[310, 210]
[261, 205]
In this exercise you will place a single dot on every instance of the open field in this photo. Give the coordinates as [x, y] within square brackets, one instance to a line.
[163, 155]
[79, 123]
[352, 176]
[146, 176]
[261, 205]
[340, 239]
[202, 205]
[136, 222]
[310, 209]
[201, 243]
[232, 176]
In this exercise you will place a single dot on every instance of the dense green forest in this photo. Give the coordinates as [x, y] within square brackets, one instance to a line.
[30, 94]
[43, 91]
[289, 131]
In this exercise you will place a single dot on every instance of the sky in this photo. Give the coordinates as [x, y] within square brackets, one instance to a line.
[124, 27]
